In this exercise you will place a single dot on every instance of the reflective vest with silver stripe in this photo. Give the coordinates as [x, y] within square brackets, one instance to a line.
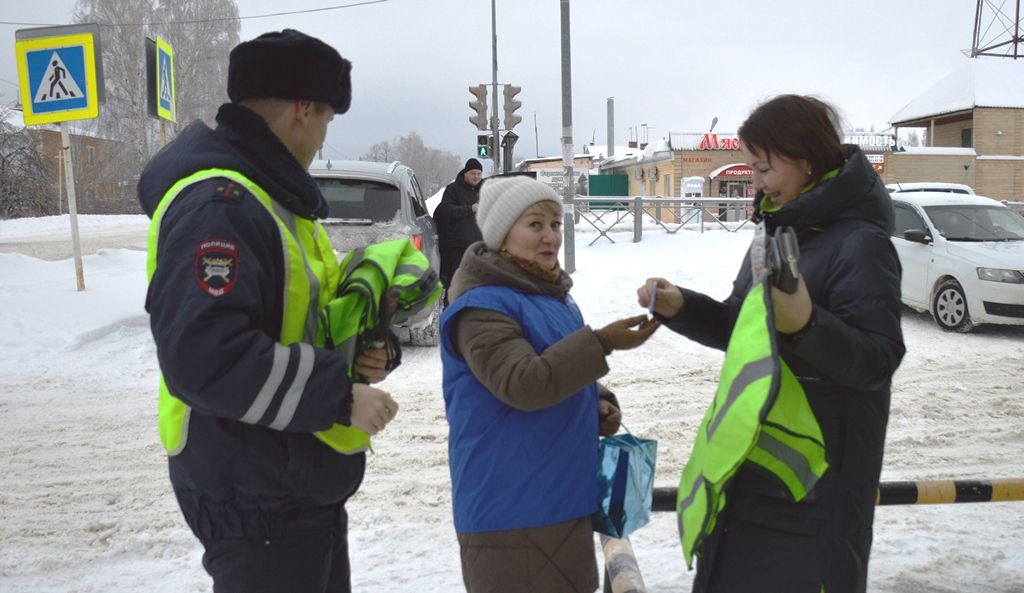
[311, 275]
[760, 414]
[352, 321]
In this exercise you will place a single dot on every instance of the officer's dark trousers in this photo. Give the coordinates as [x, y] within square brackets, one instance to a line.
[307, 563]
[304, 551]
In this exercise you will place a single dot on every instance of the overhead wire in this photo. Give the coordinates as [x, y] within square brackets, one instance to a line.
[212, 20]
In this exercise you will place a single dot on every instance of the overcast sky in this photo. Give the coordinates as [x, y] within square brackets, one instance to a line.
[670, 64]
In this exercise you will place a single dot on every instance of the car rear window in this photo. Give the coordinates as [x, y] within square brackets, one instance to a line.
[358, 199]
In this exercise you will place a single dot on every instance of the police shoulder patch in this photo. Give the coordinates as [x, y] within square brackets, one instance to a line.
[217, 266]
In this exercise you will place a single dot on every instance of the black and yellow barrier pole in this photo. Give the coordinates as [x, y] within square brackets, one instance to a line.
[911, 492]
[949, 491]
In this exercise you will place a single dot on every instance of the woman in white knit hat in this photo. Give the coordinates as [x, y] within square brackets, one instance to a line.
[524, 409]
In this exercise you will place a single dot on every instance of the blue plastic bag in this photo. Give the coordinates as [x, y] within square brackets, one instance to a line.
[625, 484]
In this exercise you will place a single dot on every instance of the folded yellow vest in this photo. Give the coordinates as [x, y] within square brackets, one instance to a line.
[759, 415]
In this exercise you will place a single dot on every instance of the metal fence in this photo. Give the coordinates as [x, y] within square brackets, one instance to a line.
[605, 213]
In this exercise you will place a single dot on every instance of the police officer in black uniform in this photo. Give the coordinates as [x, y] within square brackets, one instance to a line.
[238, 267]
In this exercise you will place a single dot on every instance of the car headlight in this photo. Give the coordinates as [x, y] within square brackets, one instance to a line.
[998, 275]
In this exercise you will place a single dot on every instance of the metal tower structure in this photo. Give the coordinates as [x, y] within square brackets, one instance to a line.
[997, 29]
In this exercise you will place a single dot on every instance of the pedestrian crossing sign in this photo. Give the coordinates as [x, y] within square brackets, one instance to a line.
[165, 80]
[57, 76]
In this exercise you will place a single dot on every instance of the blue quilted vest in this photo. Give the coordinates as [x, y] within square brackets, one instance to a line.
[513, 469]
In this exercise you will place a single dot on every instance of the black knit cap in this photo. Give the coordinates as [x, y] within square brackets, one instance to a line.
[290, 65]
[472, 165]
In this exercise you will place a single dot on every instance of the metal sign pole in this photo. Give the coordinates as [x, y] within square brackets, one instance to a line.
[65, 138]
[60, 183]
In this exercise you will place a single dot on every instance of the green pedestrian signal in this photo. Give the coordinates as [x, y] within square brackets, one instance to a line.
[483, 146]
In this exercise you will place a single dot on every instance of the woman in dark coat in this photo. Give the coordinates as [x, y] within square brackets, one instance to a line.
[839, 333]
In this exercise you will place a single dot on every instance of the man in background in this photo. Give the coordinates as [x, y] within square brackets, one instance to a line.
[456, 220]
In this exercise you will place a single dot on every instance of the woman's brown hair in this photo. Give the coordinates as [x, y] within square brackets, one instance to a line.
[796, 127]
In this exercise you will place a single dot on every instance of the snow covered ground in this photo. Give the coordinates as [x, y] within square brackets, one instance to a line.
[85, 504]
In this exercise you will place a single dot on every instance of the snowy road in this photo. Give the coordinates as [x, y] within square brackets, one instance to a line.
[85, 504]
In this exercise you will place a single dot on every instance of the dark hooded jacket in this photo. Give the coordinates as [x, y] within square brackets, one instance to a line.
[845, 361]
[456, 224]
[234, 478]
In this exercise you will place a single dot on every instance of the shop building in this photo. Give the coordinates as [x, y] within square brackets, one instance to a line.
[972, 124]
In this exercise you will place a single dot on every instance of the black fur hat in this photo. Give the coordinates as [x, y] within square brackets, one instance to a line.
[290, 65]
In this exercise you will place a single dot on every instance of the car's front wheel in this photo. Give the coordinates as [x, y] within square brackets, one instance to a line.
[949, 308]
[428, 334]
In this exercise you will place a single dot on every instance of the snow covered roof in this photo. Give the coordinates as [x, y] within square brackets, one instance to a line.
[85, 128]
[978, 82]
[549, 159]
[946, 150]
[658, 150]
[601, 150]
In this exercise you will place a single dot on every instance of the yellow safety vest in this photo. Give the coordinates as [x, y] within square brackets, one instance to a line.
[760, 414]
[313, 275]
[352, 322]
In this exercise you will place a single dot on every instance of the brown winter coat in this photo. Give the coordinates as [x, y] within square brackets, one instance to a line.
[554, 558]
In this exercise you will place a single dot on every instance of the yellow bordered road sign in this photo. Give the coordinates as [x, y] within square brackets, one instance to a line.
[57, 73]
[165, 100]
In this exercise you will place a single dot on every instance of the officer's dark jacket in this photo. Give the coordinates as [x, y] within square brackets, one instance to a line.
[845, 363]
[216, 352]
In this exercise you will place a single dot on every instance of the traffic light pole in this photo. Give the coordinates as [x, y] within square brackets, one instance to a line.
[568, 205]
[495, 152]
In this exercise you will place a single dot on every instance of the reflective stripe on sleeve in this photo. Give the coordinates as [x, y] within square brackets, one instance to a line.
[266, 395]
[293, 396]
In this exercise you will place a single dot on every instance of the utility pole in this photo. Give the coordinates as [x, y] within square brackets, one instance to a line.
[610, 152]
[568, 205]
[536, 141]
[494, 79]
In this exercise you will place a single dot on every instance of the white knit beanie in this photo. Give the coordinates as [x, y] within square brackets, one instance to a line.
[503, 200]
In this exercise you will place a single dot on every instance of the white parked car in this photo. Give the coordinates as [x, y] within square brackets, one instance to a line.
[962, 258]
[954, 188]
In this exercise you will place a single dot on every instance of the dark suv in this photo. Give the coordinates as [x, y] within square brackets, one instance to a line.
[372, 202]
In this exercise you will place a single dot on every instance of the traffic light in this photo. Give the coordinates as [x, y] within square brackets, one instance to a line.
[479, 106]
[511, 104]
[508, 143]
[483, 146]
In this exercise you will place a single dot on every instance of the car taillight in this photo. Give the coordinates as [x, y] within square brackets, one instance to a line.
[417, 242]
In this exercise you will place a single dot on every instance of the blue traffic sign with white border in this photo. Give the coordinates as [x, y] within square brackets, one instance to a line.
[57, 79]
